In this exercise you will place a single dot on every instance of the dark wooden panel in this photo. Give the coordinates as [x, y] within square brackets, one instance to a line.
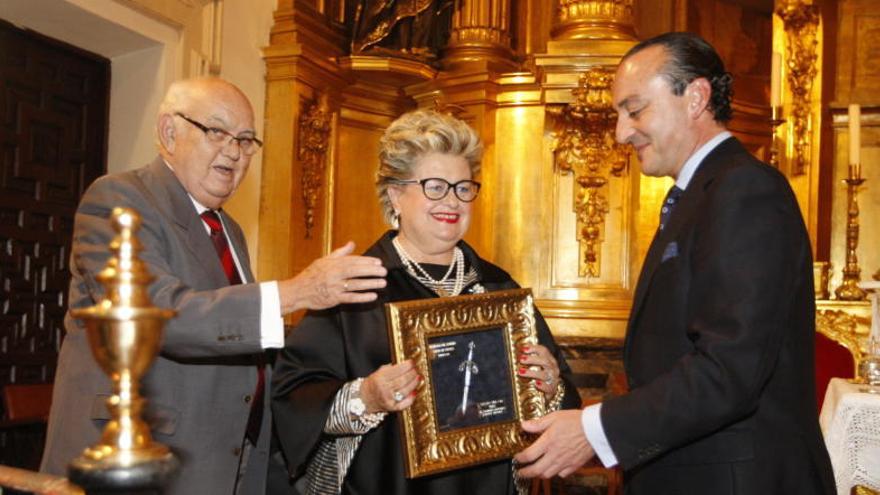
[53, 133]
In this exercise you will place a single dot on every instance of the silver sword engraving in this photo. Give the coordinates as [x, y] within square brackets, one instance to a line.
[469, 367]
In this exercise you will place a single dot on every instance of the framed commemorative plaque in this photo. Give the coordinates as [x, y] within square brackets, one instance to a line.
[468, 409]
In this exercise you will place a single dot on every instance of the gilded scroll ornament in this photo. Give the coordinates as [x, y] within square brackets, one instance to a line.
[801, 21]
[585, 146]
[314, 141]
[840, 327]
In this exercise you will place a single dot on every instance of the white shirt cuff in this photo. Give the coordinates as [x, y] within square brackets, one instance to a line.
[592, 423]
[271, 322]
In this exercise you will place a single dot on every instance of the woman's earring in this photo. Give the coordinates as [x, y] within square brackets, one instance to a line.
[395, 221]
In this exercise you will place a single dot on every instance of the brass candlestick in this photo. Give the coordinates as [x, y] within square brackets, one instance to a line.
[776, 120]
[849, 290]
[124, 332]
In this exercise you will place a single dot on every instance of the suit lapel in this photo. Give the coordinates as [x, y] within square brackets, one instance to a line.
[176, 205]
[686, 208]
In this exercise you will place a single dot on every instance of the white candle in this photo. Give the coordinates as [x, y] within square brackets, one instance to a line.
[776, 80]
[855, 139]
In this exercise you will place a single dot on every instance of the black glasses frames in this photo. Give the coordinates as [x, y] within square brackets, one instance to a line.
[247, 145]
[435, 188]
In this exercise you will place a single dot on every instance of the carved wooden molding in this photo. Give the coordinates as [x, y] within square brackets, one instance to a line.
[585, 146]
[801, 21]
[314, 141]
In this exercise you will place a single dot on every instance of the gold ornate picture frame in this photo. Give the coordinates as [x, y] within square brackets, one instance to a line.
[468, 409]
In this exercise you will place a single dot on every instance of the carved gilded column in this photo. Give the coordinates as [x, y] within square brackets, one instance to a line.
[298, 151]
[584, 286]
[593, 19]
[480, 34]
[315, 125]
[800, 19]
[586, 148]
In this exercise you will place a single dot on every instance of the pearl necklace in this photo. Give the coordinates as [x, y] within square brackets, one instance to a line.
[419, 273]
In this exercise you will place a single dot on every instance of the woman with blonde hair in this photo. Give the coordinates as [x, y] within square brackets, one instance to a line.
[335, 393]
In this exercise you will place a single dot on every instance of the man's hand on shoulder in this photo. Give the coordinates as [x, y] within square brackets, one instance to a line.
[561, 448]
[338, 278]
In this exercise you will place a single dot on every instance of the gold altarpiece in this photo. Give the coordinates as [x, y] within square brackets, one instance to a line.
[565, 212]
[561, 222]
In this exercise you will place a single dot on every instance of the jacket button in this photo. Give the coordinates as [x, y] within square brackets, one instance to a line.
[221, 338]
[236, 451]
[247, 398]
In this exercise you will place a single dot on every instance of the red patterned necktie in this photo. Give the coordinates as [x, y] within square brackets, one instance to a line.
[221, 245]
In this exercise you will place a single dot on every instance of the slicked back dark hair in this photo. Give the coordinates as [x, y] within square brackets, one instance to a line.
[691, 57]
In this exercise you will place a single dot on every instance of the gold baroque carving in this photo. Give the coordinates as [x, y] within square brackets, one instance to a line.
[314, 141]
[593, 19]
[801, 21]
[585, 147]
[840, 327]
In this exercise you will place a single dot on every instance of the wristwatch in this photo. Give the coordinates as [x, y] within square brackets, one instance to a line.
[357, 410]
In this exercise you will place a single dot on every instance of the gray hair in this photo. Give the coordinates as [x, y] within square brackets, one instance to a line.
[414, 135]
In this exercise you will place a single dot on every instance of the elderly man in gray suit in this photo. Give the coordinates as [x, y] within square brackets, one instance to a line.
[205, 391]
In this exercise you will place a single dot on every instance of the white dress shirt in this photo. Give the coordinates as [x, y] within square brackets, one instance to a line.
[271, 322]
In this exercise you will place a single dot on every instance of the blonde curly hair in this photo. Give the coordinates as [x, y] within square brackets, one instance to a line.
[416, 134]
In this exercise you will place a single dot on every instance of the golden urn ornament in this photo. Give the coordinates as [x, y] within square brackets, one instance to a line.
[124, 331]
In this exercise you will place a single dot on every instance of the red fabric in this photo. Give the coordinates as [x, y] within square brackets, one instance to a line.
[212, 220]
[832, 360]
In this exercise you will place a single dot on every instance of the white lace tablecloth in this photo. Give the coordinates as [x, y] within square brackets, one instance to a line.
[850, 421]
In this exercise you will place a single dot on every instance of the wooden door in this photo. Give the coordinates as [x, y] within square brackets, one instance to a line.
[54, 102]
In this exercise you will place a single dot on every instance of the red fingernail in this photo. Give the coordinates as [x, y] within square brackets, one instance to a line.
[523, 357]
[525, 348]
[522, 371]
[412, 394]
[538, 383]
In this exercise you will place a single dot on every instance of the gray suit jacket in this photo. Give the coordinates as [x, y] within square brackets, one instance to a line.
[199, 387]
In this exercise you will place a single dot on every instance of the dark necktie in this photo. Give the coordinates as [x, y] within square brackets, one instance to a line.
[221, 245]
[669, 204]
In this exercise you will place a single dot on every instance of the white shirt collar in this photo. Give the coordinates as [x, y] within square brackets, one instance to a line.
[692, 163]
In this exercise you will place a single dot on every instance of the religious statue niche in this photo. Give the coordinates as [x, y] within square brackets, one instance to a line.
[415, 29]
[585, 147]
[314, 141]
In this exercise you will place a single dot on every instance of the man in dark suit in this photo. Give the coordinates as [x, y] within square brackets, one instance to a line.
[206, 390]
[719, 347]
